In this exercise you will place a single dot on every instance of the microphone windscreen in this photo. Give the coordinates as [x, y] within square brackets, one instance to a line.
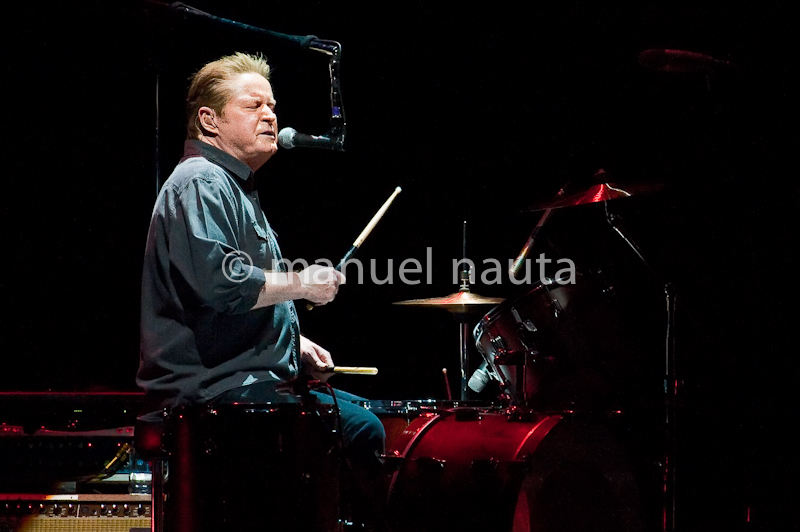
[286, 138]
[478, 380]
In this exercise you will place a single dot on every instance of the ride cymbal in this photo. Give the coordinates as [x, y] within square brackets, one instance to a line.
[459, 302]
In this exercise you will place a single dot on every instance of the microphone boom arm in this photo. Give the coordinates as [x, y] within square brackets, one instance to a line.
[307, 42]
[338, 122]
[304, 41]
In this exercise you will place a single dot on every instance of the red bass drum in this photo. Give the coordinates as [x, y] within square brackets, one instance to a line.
[470, 469]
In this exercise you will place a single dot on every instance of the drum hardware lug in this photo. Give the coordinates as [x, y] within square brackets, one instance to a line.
[526, 324]
[557, 308]
[429, 463]
[497, 343]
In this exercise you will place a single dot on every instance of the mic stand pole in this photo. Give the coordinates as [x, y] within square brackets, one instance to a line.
[670, 385]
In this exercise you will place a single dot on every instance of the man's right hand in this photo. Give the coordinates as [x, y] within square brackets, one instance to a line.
[320, 283]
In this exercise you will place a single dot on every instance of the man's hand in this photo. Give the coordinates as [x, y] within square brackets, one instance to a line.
[320, 283]
[315, 359]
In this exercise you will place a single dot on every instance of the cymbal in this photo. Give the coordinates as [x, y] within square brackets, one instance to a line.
[681, 61]
[593, 194]
[459, 302]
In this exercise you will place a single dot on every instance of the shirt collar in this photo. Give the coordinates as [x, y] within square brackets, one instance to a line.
[195, 148]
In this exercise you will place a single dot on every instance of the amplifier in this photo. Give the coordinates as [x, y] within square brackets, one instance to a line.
[38, 462]
[74, 513]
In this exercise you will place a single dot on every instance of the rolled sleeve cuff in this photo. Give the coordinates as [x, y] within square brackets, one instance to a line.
[251, 287]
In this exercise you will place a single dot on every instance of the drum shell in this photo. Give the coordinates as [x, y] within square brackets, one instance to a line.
[500, 472]
[580, 350]
[396, 415]
[531, 324]
[242, 467]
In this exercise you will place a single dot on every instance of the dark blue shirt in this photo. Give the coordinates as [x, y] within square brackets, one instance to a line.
[207, 247]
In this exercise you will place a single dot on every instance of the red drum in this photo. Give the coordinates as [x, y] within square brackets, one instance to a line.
[476, 470]
[252, 467]
[396, 415]
[552, 345]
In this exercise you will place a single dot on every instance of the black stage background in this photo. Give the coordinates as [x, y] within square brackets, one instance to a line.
[477, 112]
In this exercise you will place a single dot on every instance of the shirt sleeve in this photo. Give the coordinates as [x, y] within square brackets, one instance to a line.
[203, 239]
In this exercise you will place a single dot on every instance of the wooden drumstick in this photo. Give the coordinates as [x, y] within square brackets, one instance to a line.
[352, 370]
[364, 234]
[529, 244]
[447, 385]
[368, 229]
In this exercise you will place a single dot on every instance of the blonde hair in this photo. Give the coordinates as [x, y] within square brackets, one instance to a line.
[211, 87]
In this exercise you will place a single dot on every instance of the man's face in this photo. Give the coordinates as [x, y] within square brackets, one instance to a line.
[248, 127]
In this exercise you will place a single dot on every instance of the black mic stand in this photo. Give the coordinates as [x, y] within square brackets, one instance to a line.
[670, 383]
[338, 122]
[306, 42]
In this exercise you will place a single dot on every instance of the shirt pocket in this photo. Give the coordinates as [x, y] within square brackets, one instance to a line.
[261, 242]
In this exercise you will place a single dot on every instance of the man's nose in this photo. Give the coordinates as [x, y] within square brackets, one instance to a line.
[268, 114]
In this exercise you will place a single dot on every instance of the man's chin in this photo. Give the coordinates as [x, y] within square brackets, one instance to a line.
[260, 158]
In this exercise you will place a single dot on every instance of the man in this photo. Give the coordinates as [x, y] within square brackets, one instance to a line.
[218, 320]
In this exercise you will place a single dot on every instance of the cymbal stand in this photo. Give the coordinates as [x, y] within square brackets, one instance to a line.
[670, 384]
[463, 336]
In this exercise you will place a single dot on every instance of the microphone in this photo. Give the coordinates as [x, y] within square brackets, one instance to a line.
[289, 138]
[479, 379]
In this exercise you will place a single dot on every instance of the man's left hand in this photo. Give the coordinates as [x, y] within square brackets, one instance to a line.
[315, 359]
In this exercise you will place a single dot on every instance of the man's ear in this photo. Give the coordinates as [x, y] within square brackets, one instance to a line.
[207, 120]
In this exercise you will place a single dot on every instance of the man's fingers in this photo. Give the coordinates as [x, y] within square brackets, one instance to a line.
[324, 358]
